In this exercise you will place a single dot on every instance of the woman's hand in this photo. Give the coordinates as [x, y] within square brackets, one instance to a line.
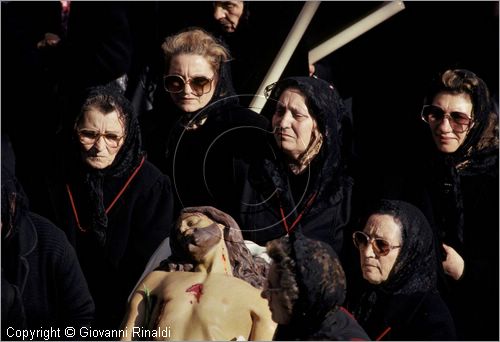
[454, 263]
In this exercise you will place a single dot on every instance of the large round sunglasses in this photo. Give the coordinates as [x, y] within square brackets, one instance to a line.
[459, 122]
[380, 246]
[176, 84]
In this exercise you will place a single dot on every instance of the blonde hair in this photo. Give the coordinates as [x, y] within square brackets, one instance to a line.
[195, 41]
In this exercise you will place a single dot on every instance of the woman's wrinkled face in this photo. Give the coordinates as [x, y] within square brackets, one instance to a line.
[275, 296]
[108, 131]
[376, 268]
[293, 124]
[188, 67]
[446, 139]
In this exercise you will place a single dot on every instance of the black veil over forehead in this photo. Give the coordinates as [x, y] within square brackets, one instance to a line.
[416, 265]
[327, 107]
[324, 103]
[131, 151]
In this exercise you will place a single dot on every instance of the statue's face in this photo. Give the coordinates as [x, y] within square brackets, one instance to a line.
[198, 234]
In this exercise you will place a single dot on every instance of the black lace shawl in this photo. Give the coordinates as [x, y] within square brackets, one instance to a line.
[322, 285]
[127, 159]
[478, 155]
[330, 165]
[415, 269]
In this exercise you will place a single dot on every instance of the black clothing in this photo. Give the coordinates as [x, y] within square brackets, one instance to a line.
[317, 313]
[137, 224]
[42, 282]
[415, 317]
[43, 279]
[407, 302]
[205, 163]
[458, 193]
[477, 243]
[115, 217]
[319, 198]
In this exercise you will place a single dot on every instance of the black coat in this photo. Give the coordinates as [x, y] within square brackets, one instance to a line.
[416, 317]
[407, 305]
[137, 224]
[318, 199]
[42, 282]
[426, 187]
[207, 166]
[325, 219]
[479, 248]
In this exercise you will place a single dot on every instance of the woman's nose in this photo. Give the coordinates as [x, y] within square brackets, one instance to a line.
[368, 251]
[445, 126]
[100, 143]
[285, 120]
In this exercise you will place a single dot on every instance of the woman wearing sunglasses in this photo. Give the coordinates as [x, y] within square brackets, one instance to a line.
[202, 133]
[458, 192]
[398, 260]
[114, 206]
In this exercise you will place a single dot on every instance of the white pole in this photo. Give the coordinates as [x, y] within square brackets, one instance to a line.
[285, 53]
[383, 13]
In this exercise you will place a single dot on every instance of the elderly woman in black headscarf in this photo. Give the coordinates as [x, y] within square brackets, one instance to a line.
[398, 259]
[114, 205]
[201, 134]
[305, 182]
[306, 289]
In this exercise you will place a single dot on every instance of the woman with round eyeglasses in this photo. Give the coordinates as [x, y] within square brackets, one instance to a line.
[458, 191]
[114, 206]
[398, 260]
[201, 134]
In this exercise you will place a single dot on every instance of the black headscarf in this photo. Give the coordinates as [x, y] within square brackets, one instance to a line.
[478, 154]
[415, 268]
[125, 162]
[322, 285]
[327, 107]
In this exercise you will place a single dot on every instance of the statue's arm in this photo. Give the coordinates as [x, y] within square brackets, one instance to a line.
[263, 326]
[140, 306]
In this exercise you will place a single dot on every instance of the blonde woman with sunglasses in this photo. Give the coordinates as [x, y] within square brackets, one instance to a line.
[201, 133]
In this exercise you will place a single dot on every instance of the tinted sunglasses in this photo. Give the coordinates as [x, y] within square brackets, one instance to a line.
[459, 122]
[380, 246]
[176, 84]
